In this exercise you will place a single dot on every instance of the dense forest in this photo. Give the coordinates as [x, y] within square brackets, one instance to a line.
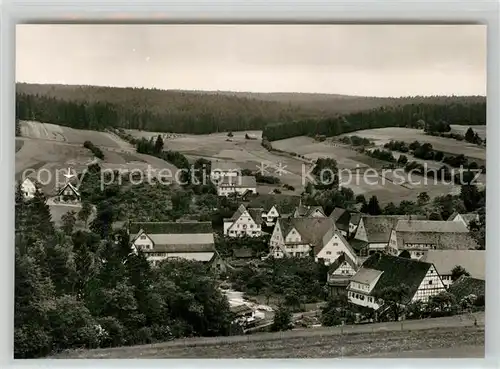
[199, 112]
[409, 115]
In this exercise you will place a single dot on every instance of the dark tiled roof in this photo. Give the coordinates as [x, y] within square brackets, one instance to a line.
[337, 213]
[311, 230]
[428, 226]
[256, 214]
[405, 254]
[378, 228]
[238, 182]
[396, 271]
[355, 217]
[170, 227]
[442, 241]
[358, 245]
[342, 218]
[241, 209]
[465, 286]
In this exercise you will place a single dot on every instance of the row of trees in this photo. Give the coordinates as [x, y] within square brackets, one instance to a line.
[471, 113]
[95, 150]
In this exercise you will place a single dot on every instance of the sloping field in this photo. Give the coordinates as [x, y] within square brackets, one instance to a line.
[53, 132]
[481, 130]
[383, 135]
[245, 154]
[429, 335]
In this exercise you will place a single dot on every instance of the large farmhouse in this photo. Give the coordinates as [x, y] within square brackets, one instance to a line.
[380, 271]
[163, 240]
[236, 185]
[418, 236]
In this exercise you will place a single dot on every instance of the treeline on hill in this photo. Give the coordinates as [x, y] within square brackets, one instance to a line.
[197, 112]
[97, 108]
[465, 112]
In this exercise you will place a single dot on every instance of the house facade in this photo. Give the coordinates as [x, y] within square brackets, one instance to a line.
[381, 271]
[305, 211]
[339, 274]
[244, 222]
[236, 185]
[275, 206]
[298, 237]
[164, 240]
[334, 245]
[220, 169]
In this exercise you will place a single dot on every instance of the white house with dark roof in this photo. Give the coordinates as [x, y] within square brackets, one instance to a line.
[28, 188]
[298, 237]
[334, 245]
[244, 222]
[466, 219]
[380, 271]
[164, 240]
[419, 236]
[275, 206]
[239, 185]
[473, 261]
[373, 232]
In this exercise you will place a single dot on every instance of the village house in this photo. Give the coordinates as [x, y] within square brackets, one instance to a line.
[275, 206]
[354, 222]
[339, 274]
[380, 271]
[342, 218]
[334, 245]
[244, 222]
[473, 261]
[305, 211]
[466, 219]
[298, 237]
[28, 188]
[418, 236]
[68, 194]
[239, 185]
[373, 232]
[220, 169]
[164, 240]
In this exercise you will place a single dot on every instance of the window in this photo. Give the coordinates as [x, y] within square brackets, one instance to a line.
[430, 282]
[143, 236]
[339, 252]
[335, 244]
[328, 252]
[251, 225]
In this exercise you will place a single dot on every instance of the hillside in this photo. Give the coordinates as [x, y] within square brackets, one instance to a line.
[197, 112]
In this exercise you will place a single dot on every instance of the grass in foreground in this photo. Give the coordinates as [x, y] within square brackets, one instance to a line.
[359, 344]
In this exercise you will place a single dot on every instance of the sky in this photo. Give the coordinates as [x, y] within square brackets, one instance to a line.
[369, 60]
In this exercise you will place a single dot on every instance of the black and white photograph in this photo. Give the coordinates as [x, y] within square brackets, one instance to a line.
[250, 191]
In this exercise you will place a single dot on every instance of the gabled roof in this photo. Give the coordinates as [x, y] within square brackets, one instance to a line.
[71, 186]
[358, 245]
[441, 226]
[305, 211]
[397, 271]
[171, 227]
[467, 217]
[285, 204]
[340, 260]
[329, 235]
[465, 286]
[342, 218]
[378, 228]
[238, 182]
[355, 218]
[473, 261]
[241, 209]
[311, 230]
[256, 214]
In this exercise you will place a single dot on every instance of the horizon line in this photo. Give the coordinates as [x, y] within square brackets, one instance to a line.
[332, 94]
